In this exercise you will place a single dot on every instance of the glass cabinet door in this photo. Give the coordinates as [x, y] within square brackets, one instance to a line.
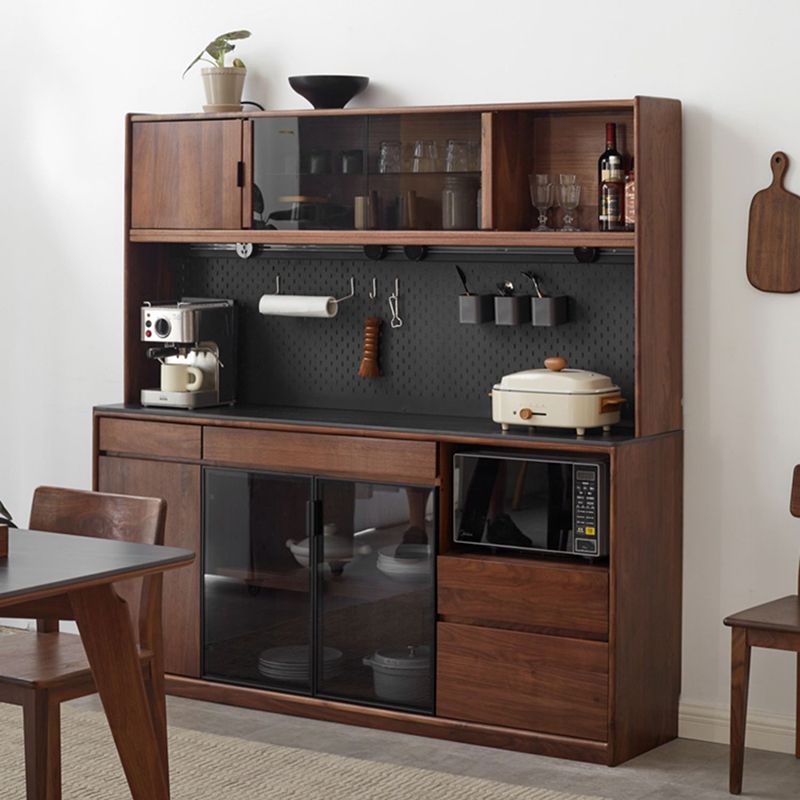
[370, 172]
[375, 621]
[257, 581]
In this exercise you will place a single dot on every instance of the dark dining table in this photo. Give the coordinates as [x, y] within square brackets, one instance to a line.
[72, 577]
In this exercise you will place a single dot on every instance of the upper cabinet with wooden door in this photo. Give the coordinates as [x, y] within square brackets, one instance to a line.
[186, 174]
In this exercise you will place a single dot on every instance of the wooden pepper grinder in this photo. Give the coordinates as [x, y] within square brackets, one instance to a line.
[369, 363]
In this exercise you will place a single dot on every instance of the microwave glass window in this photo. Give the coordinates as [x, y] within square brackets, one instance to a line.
[515, 503]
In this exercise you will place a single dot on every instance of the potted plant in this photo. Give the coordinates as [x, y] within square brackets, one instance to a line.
[223, 84]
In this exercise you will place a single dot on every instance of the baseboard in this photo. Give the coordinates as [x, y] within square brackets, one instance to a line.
[712, 724]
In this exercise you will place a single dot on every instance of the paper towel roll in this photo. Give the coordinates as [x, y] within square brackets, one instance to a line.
[298, 305]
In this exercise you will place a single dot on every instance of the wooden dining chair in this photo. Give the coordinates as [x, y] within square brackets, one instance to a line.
[775, 625]
[41, 670]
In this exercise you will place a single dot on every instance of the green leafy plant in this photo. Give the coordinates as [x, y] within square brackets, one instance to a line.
[218, 49]
[5, 517]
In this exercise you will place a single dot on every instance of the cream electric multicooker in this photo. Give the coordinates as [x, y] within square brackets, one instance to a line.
[556, 397]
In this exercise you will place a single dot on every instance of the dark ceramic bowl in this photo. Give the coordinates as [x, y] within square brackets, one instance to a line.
[328, 91]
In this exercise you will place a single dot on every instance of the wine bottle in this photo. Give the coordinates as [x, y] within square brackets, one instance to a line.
[630, 199]
[611, 184]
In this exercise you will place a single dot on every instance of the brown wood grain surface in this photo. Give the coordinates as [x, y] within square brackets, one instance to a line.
[387, 719]
[551, 684]
[659, 254]
[777, 615]
[372, 459]
[562, 106]
[491, 238]
[646, 593]
[773, 235]
[179, 485]
[185, 174]
[505, 591]
[149, 438]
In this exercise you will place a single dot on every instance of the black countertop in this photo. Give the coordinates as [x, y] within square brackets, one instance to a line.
[449, 427]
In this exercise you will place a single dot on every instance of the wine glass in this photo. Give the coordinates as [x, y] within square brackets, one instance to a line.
[566, 179]
[541, 198]
[569, 195]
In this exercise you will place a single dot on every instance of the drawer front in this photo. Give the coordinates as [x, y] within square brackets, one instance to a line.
[149, 438]
[524, 594]
[374, 459]
[548, 684]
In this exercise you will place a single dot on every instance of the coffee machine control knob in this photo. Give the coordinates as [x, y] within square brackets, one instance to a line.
[163, 327]
[525, 413]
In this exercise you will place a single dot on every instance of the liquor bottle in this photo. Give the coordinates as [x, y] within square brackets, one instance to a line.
[611, 183]
[630, 199]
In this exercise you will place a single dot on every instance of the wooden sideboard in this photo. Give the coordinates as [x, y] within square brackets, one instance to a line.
[589, 652]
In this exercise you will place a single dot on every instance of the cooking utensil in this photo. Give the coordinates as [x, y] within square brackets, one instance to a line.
[535, 281]
[506, 289]
[773, 237]
[402, 675]
[463, 279]
[557, 397]
[369, 367]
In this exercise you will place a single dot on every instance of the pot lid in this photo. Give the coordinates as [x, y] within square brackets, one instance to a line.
[410, 658]
[557, 379]
[334, 546]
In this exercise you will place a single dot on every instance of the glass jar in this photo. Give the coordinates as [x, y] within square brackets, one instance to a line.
[459, 203]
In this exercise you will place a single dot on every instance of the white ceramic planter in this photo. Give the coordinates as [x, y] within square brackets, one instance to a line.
[223, 87]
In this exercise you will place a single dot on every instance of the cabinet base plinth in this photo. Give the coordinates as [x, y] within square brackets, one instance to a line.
[398, 721]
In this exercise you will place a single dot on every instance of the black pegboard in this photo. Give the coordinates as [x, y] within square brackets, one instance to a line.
[432, 364]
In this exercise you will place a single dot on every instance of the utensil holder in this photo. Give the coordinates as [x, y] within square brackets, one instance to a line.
[512, 310]
[475, 309]
[549, 311]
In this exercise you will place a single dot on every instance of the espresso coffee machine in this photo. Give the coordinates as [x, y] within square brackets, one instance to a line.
[194, 340]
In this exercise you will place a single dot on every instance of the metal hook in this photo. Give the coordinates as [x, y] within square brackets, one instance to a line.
[374, 293]
[277, 284]
[394, 305]
[352, 291]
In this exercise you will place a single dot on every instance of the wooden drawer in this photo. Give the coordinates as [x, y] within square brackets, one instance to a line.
[149, 438]
[517, 593]
[351, 456]
[548, 684]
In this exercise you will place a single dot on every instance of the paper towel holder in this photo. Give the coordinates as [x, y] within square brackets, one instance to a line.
[336, 300]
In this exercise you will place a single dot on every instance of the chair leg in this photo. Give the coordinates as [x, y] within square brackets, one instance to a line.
[42, 723]
[740, 678]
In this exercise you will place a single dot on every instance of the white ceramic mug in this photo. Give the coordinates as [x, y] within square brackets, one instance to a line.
[181, 378]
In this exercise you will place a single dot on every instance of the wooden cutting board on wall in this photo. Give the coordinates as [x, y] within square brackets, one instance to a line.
[773, 238]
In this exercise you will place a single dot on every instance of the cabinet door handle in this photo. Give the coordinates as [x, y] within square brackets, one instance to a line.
[240, 173]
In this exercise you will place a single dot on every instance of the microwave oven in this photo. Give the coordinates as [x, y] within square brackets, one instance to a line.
[531, 503]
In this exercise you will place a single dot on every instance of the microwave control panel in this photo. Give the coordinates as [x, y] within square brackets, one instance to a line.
[586, 523]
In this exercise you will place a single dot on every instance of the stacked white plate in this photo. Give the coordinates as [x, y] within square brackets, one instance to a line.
[291, 663]
[407, 563]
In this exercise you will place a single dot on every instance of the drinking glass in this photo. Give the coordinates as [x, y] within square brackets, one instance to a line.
[390, 157]
[542, 198]
[565, 179]
[569, 195]
[457, 156]
[426, 156]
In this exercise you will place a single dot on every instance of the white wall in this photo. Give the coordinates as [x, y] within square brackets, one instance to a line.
[73, 70]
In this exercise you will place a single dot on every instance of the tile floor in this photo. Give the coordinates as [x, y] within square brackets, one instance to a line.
[680, 770]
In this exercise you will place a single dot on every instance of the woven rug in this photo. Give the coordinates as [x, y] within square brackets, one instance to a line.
[204, 766]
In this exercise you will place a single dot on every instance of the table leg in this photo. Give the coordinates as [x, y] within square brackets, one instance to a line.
[108, 638]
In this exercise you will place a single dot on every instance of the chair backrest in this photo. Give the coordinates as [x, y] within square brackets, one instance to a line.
[108, 516]
[794, 503]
